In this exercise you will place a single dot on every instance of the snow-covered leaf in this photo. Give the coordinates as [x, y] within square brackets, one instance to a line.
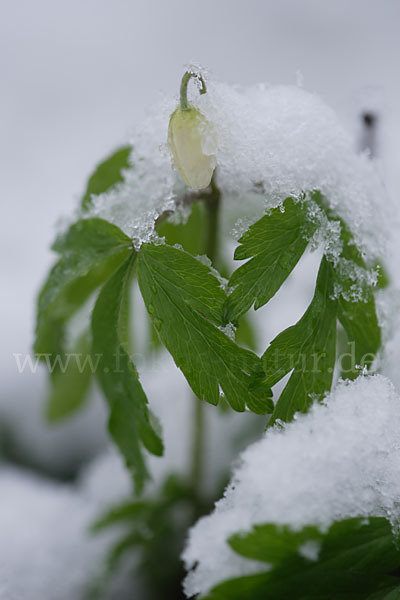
[358, 317]
[185, 301]
[90, 251]
[191, 236]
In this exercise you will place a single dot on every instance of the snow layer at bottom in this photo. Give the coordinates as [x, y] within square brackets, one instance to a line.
[340, 460]
[44, 531]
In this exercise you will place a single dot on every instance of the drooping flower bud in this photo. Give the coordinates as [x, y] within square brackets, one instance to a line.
[193, 145]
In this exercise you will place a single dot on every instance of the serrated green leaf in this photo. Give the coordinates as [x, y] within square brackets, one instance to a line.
[354, 559]
[185, 277]
[191, 236]
[89, 251]
[274, 245]
[130, 422]
[360, 322]
[309, 348]
[94, 238]
[246, 334]
[358, 317]
[185, 301]
[107, 174]
[69, 385]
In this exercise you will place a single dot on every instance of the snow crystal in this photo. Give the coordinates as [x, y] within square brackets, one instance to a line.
[361, 281]
[310, 549]
[229, 330]
[223, 282]
[340, 460]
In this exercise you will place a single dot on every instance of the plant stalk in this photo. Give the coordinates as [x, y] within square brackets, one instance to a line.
[212, 204]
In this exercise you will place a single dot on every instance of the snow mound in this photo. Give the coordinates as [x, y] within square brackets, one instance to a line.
[285, 141]
[340, 460]
[45, 551]
[273, 141]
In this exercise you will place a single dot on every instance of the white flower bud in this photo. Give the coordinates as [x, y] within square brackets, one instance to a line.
[193, 145]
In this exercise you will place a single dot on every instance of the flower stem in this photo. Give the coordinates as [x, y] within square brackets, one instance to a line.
[184, 86]
[197, 469]
[212, 204]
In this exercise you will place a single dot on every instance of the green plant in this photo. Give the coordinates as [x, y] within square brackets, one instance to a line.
[202, 321]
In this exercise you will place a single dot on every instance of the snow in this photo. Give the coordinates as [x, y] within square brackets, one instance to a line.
[286, 141]
[340, 460]
[273, 142]
[35, 516]
[310, 550]
[58, 449]
[47, 550]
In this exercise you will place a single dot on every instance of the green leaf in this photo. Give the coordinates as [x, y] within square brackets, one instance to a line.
[358, 317]
[153, 537]
[89, 251]
[383, 276]
[107, 174]
[309, 348]
[130, 422]
[185, 301]
[353, 560]
[70, 383]
[191, 236]
[246, 334]
[274, 245]
[394, 594]
[127, 511]
[360, 322]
